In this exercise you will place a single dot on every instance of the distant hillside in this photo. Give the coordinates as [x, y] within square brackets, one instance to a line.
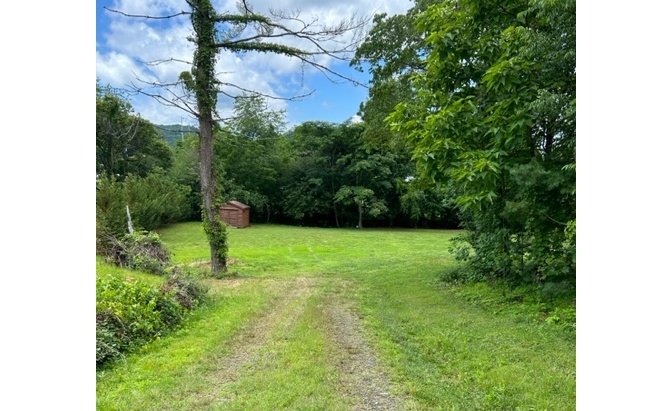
[173, 133]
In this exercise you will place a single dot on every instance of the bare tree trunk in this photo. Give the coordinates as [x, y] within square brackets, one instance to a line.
[335, 207]
[360, 215]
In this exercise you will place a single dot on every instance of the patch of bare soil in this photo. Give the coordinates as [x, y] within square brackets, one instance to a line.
[230, 282]
[208, 264]
[200, 263]
[362, 377]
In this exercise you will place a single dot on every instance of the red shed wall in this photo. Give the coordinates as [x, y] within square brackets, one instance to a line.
[235, 217]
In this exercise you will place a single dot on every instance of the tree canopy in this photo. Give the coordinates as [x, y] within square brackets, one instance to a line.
[125, 143]
[493, 117]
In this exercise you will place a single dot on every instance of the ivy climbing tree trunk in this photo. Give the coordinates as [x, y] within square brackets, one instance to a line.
[201, 82]
[214, 228]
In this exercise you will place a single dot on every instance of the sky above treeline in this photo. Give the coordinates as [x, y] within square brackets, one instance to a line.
[126, 47]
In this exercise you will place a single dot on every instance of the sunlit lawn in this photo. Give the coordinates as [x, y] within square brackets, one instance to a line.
[441, 351]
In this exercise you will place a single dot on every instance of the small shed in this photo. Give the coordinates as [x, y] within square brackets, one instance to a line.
[235, 214]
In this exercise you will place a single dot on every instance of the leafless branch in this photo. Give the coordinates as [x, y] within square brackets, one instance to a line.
[260, 93]
[181, 13]
[164, 61]
[171, 99]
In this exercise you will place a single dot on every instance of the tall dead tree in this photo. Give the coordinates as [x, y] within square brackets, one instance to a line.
[278, 32]
[201, 82]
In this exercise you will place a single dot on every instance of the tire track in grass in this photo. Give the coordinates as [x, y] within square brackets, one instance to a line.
[246, 347]
[363, 379]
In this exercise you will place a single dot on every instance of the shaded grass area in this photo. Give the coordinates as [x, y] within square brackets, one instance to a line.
[441, 346]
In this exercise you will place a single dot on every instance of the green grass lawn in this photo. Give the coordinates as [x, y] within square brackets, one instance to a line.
[441, 349]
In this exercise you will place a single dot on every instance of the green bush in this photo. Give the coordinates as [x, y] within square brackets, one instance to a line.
[129, 314]
[154, 200]
[111, 336]
[564, 317]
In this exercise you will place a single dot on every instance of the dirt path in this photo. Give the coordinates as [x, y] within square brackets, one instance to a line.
[363, 380]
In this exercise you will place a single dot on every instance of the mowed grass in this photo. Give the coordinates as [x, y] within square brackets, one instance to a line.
[442, 352]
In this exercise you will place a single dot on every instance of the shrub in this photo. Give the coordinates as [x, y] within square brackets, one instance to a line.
[564, 317]
[187, 291]
[111, 336]
[154, 200]
[129, 314]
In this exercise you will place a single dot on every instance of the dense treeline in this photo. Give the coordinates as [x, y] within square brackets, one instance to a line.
[317, 174]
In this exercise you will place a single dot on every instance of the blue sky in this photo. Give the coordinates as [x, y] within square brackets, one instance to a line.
[123, 43]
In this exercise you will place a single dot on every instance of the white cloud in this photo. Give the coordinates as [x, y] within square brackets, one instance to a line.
[118, 69]
[151, 7]
[355, 119]
[128, 43]
[336, 7]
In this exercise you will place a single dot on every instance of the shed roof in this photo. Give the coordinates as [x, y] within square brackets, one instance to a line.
[237, 204]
